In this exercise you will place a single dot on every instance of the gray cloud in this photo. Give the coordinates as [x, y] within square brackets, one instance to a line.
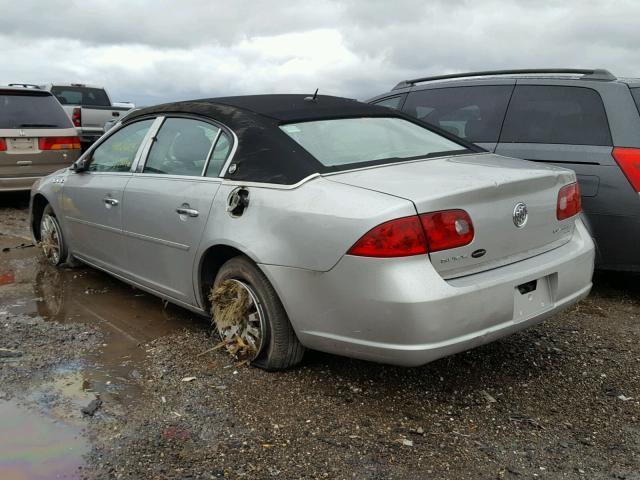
[162, 23]
[153, 51]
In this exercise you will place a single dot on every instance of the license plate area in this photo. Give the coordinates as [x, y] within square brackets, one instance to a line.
[21, 144]
[531, 298]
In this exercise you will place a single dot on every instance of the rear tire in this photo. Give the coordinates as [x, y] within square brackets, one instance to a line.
[280, 347]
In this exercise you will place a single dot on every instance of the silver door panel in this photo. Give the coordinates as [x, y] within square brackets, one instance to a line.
[163, 221]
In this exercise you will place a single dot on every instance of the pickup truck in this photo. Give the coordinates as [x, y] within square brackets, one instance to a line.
[89, 108]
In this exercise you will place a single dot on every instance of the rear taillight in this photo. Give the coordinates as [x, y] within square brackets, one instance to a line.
[59, 143]
[76, 117]
[569, 201]
[416, 235]
[3, 145]
[629, 161]
[397, 238]
[447, 229]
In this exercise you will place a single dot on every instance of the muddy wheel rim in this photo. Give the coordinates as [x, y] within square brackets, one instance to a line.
[250, 326]
[50, 239]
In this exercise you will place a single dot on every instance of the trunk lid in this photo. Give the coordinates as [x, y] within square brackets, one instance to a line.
[488, 187]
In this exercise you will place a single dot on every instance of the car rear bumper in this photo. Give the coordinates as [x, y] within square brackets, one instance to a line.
[17, 184]
[400, 311]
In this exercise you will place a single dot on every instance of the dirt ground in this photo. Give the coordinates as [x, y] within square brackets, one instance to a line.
[560, 400]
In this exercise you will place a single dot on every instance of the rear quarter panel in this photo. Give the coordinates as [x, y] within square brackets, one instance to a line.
[310, 227]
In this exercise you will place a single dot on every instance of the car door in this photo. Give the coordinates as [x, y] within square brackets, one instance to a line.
[473, 112]
[93, 198]
[168, 202]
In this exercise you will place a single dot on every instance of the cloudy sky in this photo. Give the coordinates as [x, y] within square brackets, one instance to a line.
[149, 51]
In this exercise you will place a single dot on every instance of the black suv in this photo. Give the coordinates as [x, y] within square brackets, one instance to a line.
[585, 120]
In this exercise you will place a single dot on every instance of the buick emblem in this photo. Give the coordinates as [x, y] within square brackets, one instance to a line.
[520, 215]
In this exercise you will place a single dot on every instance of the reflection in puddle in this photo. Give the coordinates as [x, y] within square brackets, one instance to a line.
[35, 447]
[46, 442]
[127, 317]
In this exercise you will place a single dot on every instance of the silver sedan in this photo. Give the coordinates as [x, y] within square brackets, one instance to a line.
[320, 222]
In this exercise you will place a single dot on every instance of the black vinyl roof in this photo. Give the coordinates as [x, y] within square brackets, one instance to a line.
[265, 153]
[284, 108]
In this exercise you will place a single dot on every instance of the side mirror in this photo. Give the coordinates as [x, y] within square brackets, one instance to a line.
[79, 166]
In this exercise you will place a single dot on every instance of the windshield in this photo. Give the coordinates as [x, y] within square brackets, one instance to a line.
[19, 110]
[348, 141]
[95, 97]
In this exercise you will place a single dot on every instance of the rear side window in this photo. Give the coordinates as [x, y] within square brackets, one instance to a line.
[636, 96]
[182, 147]
[473, 113]
[31, 111]
[556, 114]
[95, 97]
[219, 155]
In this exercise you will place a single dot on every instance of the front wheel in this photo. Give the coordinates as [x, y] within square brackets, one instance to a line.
[51, 239]
[250, 318]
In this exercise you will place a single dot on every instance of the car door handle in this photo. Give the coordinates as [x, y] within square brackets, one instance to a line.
[187, 211]
[111, 201]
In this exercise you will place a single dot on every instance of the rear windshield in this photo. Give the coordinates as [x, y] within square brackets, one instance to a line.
[18, 110]
[636, 96]
[350, 141]
[95, 97]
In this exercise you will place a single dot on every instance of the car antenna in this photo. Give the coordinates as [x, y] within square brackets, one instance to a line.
[314, 98]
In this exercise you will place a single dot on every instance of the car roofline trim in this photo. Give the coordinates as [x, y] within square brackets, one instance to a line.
[587, 74]
[273, 186]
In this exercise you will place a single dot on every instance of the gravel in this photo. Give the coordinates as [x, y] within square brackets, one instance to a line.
[543, 403]
[32, 350]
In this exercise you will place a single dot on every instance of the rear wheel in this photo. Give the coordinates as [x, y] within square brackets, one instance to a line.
[250, 319]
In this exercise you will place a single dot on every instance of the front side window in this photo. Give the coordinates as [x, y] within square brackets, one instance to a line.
[31, 110]
[348, 141]
[556, 114]
[116, 153]
[474, 113]
[182, 147]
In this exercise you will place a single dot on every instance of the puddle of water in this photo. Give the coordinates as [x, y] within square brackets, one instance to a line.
[127, 317]
[47, 443]
[34, 447]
